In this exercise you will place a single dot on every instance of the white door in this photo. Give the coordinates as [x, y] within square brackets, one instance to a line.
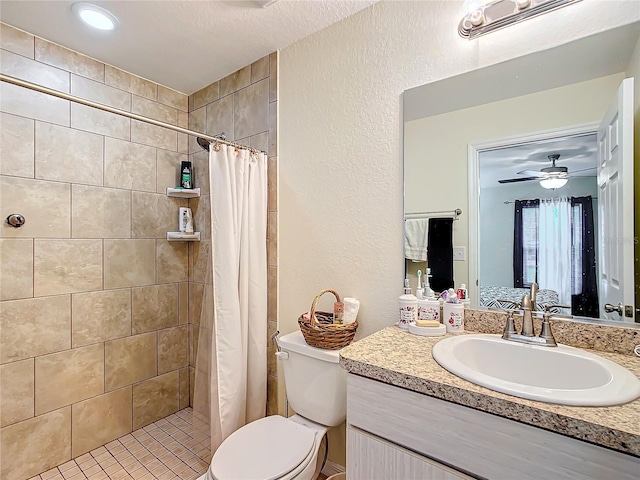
[615, 200]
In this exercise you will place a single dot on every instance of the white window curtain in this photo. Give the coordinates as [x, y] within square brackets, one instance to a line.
[554, 258]
[236, 387]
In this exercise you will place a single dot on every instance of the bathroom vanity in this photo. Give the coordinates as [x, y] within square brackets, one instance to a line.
[408, 418]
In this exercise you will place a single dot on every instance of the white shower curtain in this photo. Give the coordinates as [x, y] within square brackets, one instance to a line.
[554, 238]
[237, 365]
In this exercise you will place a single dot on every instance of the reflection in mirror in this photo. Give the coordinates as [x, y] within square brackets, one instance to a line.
[483, 140]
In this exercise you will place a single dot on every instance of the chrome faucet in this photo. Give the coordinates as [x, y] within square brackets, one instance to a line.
[533, 296]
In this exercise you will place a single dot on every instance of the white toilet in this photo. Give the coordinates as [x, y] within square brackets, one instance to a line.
[282, 448]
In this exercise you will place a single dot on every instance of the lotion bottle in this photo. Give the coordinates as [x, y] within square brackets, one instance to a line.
[453, 313]
[408, 307]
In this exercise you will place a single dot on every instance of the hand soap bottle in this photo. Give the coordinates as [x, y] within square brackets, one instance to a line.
[453, 313]
[408, 307]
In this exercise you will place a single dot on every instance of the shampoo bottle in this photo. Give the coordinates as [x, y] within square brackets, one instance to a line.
[453, 313]
[408, 307]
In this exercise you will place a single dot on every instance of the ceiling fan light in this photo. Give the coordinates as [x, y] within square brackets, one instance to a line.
[552, 183]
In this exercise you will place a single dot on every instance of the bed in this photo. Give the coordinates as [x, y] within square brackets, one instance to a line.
[490, 296]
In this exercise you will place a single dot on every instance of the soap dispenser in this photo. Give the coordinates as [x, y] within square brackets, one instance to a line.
[408, 306]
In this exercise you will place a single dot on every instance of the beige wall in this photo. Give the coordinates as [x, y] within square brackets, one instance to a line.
[446, 137]
[93, 312]
[633, 70]
[340, 166]
[243, 105]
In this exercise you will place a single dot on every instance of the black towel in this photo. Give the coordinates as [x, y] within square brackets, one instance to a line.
[440, 253]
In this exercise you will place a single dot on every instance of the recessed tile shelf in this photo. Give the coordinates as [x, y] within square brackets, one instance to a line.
[183, 192]
[183, 237]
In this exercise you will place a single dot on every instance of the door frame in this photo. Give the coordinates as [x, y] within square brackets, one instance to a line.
[473, 182]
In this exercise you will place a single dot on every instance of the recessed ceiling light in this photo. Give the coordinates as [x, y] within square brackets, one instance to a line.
[95, 16]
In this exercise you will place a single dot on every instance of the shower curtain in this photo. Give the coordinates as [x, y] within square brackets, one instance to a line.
[231, 366]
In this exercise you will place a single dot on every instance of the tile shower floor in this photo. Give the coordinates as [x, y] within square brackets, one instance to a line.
[163, 450]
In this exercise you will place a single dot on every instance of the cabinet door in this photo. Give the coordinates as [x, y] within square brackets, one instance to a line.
[372, 458]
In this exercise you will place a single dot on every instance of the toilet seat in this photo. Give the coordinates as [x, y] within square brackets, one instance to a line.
[268, 449]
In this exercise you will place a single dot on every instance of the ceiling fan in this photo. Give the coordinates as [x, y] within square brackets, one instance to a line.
[547, 173]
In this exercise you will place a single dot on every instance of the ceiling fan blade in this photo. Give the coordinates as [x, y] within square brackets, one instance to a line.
[581, 176]
[514, 180]
[532, 173]
[583, 170]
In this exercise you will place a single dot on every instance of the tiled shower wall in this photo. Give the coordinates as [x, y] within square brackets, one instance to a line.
[94, 301]
[242, 105]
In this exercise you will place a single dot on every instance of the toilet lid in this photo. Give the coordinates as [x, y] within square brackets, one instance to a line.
[266, 449]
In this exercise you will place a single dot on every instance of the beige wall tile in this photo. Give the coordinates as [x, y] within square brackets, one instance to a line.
[260, 69]
[200, 162]
[32, 71]
[172, 260]
[46, 206]
[68, 155]
[196, 295]
[99, 212]
[35, 445]
[272, 395]
[251, 109]
[154, 307]
[273, 184]
[273, 129]
[272, 239]
[183, 138]
[154, 214]
[168, 169]
[66, 266]
[194, 339]
[35, 326]
[67, 377]
[154, 136]
[201, 211]
[100, 316]
[39, 106]
[220, 118]
[183, 313]
[129, 360]
[184, 387]
[129, 263]
[16, 392]
[130, 83]
[173, 98]
[16, 41]
[69, 60]
[16, 268]
[273, 77]
[235, 81]
[155, 399]
[155, 110]
[203, 96]
[198, 123]
[272, 328]
[272, 299]
[172, 349]
[103, 123]
[260, 141]
[17, 146]
[129, 165]
[192, 374]
[99, 92]
[99, 420]
[200, 262]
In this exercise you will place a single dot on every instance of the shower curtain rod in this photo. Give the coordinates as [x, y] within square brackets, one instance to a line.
[89, 103]
[509, 202]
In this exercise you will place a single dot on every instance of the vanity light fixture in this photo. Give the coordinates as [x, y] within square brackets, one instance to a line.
[553, 182]
[95, 16]
[484, 16]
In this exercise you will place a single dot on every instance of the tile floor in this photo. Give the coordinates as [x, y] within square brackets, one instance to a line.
[164, 450]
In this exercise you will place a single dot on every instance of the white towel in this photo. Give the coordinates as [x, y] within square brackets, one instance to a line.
[351, 307]
[415, 239]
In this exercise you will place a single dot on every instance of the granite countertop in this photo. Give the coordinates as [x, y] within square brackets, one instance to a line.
[396, 357]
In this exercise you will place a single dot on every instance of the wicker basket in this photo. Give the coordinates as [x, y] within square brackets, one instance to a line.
[319, 330]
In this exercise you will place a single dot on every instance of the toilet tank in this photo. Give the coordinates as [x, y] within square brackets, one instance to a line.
[316, 383]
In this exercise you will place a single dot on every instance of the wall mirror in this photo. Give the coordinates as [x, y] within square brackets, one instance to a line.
[492, 141]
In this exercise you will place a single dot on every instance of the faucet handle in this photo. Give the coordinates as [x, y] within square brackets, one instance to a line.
[510, 327]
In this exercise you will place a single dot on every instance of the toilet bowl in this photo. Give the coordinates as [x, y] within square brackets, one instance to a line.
[272, 448]
[279, 448]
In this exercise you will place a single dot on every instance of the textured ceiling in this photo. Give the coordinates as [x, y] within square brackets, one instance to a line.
[184, 45]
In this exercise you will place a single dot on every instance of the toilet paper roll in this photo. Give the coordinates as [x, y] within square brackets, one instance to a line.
[351, 307]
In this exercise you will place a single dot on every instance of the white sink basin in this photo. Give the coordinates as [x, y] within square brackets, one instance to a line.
[562, 374]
